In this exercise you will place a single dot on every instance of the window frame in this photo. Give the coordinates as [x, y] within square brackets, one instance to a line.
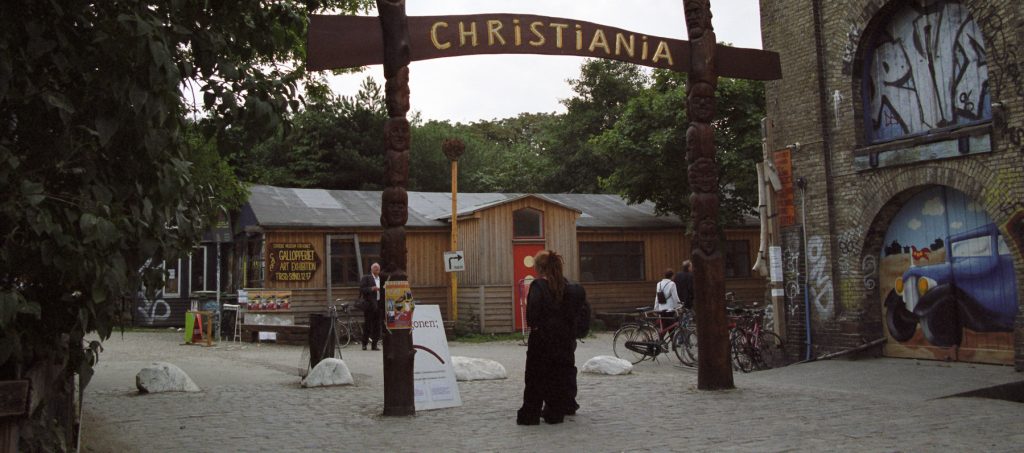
[192, 268]
[642, 268]
[540, 224]
[177, 271]
[728, 250]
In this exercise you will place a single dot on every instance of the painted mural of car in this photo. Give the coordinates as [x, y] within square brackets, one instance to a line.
[975, 289]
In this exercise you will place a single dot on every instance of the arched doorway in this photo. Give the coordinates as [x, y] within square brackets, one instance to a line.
[946, 280]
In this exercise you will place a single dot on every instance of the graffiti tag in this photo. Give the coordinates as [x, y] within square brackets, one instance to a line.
[153, 311]
[821, 288]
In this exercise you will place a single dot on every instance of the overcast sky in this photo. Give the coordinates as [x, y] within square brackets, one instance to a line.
[485, 87]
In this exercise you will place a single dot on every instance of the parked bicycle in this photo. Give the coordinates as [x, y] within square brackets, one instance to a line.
[753, 347]
[348, 330]
[649, 337]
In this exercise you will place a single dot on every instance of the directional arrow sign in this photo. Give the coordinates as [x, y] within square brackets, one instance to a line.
[454, 261]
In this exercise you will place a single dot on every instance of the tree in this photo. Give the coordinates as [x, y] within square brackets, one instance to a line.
[647, 146]
[602, 92]
[96, 169]
[334, 142]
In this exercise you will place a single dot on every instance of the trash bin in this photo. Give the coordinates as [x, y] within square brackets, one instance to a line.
[321, 345]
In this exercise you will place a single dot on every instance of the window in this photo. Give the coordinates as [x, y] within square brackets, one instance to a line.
[527, 223]
[925, 70]
[737, 259]
[344, 268]
[172, 279]
[253, 264]
[611, 261]
[198, 270]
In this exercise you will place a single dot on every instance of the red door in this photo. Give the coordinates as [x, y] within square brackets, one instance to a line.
[524, 274]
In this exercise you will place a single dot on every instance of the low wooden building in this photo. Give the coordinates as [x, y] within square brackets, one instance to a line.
[316, 243]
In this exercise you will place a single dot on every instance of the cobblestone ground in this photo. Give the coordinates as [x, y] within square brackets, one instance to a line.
[252, 401]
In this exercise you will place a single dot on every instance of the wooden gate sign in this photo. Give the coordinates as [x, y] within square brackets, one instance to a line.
[351, 41]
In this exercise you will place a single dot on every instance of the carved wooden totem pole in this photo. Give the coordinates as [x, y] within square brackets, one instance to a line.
[714, 369]
[398, 350]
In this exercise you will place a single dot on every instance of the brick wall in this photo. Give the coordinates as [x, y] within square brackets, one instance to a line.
[818, 105]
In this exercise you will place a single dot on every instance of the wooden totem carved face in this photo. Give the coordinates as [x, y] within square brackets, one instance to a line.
[702, 102]
[698, 17]
[396, 207]
[397, 134]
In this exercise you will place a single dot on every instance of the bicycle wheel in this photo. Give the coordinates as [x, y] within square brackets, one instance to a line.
[684, 343]
[741, 357]
[630, 332]
[770, 350]
[344, 335]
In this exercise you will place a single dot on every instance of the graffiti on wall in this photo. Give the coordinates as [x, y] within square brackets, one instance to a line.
[869, 269]
[152, 312]
[1008, 82]
[791, 272]
[947, 278]
[928, 69]
[821, 292]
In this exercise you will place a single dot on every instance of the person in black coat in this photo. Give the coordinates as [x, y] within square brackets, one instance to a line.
[550, 360]
[371, 291]
[684, 284]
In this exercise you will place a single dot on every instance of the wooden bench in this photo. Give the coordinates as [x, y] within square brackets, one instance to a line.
[296, 335]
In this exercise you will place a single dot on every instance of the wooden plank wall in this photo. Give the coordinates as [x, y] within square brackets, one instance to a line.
[662, 249]
[426, 257]
[487, 240]
[495, 302]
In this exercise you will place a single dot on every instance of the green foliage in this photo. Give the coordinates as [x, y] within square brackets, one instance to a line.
[101, 183]
[603, 91]
[647, 146]
[335, 142]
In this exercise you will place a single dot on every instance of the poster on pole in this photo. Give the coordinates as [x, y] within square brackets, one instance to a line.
[398, 305]
[775, 263]
[434, 384]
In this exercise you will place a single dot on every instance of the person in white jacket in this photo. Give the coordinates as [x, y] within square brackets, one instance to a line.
[667, 287]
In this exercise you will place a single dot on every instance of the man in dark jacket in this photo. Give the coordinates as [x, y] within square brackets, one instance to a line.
[684, 284]
[371, 291]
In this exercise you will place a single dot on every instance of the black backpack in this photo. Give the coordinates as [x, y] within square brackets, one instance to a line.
[578, 297]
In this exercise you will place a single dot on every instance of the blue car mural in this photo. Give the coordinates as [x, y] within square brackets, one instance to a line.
[973, 289]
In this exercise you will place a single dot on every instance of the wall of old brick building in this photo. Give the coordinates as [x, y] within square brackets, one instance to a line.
[817, 105]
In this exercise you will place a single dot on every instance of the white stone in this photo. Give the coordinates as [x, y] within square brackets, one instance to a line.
[606, 364]
[328, 372]
[164, 377]
[474, 369]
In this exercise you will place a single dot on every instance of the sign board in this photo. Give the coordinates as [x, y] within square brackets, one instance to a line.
[775, 263]
[291, 261]
[434, 384]
[398, 305]
[786, 204]
[352, 41]
[454, 261]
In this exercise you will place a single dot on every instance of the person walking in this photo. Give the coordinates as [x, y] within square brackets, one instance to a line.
[372, 294]
[550, 361]
[684, 285]
[666, 299]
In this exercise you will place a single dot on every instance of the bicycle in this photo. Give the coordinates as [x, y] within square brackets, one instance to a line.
[753, 348]
[348, 331]
[642, 339]
[332, 347]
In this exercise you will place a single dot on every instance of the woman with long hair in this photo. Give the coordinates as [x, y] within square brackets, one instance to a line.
[550, 361]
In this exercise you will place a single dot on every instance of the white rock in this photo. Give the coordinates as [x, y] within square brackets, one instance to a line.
[473, 369]
[164, 377]
[606, 364]
[328, 372]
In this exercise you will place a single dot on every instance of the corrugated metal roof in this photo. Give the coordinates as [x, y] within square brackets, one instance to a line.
[286, 207]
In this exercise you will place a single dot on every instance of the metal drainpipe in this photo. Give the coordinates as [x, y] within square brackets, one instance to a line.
[802, 185]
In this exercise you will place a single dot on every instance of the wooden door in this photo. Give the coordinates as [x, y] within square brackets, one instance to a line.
[522, 254]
